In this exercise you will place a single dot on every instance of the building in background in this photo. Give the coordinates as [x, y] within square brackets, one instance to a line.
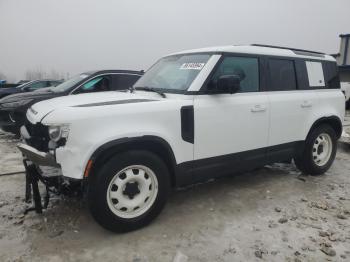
[343, 58]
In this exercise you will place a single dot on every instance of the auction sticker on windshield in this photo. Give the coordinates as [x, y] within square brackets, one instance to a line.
[193, 66]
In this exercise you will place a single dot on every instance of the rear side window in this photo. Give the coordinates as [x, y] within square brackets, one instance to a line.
[247, 68]
[331, 75]
[282, 75]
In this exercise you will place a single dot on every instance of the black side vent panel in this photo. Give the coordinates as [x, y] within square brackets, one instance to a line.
[187, 124]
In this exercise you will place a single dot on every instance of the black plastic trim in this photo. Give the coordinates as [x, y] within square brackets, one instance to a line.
[204, 169]
[346, 50]
[327, 119]
[187, 124]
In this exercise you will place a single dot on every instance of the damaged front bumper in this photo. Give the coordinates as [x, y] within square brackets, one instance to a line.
[36, 156]
[42, 167]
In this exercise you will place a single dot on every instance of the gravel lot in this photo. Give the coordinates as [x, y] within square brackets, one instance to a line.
[271, 214]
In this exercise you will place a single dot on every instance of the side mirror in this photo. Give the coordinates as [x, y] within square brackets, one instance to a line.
[228, 84]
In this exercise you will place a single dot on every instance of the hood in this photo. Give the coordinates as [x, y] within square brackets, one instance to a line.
[28, 95]
[44, 90]
[39, 110]
[9, 90]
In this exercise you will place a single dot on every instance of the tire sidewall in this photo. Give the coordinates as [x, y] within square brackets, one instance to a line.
[309, 147]
[100, 181]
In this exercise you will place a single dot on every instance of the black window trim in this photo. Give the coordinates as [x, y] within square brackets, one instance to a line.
[263, 70]
[95, 76]
[203, 89]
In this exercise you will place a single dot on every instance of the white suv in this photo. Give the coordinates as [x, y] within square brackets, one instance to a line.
[194, 115]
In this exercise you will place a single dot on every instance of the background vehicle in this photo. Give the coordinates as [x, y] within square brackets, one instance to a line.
[20, 82]
[345, 88]
[193, 116]
[13, 108]
[28, 87]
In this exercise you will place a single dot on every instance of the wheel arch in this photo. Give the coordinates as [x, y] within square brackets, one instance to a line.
[333, 121]
[154, 144]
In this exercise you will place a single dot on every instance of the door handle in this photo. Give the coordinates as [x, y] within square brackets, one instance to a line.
[258, 108]
[306, 104]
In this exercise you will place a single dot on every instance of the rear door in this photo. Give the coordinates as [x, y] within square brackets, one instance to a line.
[292, 104]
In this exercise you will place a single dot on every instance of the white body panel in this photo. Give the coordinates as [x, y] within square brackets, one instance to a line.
[294, 112]
[226, 124]
[291, 115]
[95, 126]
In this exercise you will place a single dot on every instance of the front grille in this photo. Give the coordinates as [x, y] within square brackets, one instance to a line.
[39, 136]
[4, 117]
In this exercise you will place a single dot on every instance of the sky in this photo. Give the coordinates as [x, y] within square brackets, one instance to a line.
[72, 36]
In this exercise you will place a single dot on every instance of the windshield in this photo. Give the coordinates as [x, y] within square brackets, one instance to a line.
[173, 72]
[69, 83]
[24, 84]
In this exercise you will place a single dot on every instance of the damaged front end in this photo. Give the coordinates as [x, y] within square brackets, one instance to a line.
[38, 149]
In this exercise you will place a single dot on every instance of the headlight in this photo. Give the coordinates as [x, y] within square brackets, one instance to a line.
[57, 132]
[16, 103]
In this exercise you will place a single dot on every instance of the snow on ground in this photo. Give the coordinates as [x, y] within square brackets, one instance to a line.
[271, 214]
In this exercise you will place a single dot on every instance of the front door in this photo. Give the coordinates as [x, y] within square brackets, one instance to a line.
[231, 130]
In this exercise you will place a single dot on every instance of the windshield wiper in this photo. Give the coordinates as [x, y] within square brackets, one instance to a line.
[151, 89]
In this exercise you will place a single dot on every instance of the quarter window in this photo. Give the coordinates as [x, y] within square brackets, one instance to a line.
[246, 68]
[282, 75]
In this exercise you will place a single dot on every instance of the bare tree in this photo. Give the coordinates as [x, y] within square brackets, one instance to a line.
[38, 73]
[34, 74]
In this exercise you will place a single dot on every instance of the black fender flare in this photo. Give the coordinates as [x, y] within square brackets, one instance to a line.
[333, 121]
[147, 142]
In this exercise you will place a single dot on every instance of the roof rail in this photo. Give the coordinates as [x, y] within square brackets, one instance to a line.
[295, 50]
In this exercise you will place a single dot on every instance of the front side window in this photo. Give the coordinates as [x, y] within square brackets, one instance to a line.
[37, 85]
[282, 75]
[98, 84]
[173, 72]
[246, 68]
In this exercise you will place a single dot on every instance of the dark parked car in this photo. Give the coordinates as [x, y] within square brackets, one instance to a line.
[20, 82]
[14, 107]
[28, 87]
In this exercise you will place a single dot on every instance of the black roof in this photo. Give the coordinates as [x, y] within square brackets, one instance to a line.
[107, 71]
[295, 50]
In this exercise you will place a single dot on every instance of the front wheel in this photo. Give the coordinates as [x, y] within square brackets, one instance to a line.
[129, 191]
[319, 151]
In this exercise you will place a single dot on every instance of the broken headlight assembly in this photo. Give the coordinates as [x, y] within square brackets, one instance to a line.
[56, 132]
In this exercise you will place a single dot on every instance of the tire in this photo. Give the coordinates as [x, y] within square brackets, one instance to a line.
[310, 161]
[130, 176]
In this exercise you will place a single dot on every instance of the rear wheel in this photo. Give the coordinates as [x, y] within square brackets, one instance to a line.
[319, 151]
[129, 191]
